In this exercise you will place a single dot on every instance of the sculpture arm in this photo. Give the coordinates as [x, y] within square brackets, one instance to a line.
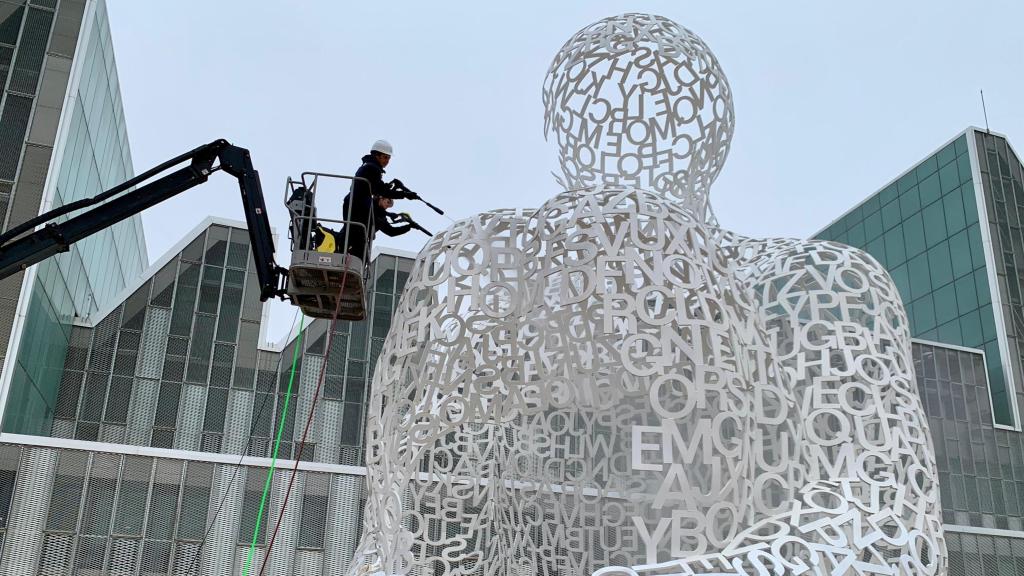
[841, 336]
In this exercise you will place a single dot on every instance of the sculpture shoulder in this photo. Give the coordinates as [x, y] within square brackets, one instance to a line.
[815, 291]
[816, 265]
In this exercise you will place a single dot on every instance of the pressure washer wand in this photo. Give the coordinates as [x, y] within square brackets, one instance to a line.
[434, 208]
[420, 228]
[404, 217]
[398, 186]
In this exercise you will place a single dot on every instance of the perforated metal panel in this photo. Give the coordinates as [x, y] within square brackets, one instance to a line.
[230, 306]
[210, 442]
[200, 352]
[314, 510]
[154, 343]
[185, 557]
[282, 556]
[254, 480]
[31, 499]
[236, 430]
[68, 393]
[133, 495]
[119, 396]
[15, 122]
[350, 456]
[195, 501]
[223, 365]
[112, 433]
[162, 438]
[346, 501]
[124, 556]
[104, 341]
[162, 292]
[245, 361]
[55, 559]
[190, 417]
[330, 433]
[156, 557]
[91, 552]
[185, 296]
[91, 405]
[100, 491]
[62, 428]
[10, 460]
[308, 562]
[252, 308]
[981, 555]
[168, 401]
[67, 491]
[78, 348]
[162, 512]
[311, 367]
[238, 249]
[134, 314]
[174, 360]
[128, 343]
[259, 447]
[216, 408]
[220, 545]
[241, 553]
[31, 51]
[138, 517]
[142, 411]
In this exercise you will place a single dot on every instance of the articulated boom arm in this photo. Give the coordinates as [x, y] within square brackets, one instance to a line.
[53, 238]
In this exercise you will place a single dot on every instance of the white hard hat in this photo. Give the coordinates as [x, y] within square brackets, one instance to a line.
[382, 146]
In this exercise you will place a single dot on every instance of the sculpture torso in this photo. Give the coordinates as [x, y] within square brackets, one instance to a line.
[612, 381]
[613, 384]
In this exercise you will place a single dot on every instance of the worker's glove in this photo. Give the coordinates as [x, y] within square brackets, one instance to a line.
[400, 188]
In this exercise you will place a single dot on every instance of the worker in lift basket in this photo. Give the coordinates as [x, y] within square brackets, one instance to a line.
[362, 204]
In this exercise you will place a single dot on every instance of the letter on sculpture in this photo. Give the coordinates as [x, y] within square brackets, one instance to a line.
[612, 384]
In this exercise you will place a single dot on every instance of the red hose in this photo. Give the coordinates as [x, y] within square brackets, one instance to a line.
[309, 420]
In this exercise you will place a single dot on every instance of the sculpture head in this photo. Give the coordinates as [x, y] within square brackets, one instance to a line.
[638, 100]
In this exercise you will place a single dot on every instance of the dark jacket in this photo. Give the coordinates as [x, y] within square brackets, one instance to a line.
[364, 209]
[361, 194]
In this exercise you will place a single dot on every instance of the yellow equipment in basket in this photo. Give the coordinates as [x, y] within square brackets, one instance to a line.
[324, 239]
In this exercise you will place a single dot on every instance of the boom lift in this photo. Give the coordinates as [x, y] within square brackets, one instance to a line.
[314, 283]
[319, 278]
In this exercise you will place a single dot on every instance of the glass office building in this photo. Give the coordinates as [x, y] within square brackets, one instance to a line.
[139, 404]
[949, 231]
[160, 442]
[62, 138]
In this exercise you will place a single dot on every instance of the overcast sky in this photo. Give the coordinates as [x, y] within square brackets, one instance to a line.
[832, 100]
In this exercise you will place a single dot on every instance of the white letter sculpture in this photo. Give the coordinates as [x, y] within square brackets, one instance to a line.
[612, 384]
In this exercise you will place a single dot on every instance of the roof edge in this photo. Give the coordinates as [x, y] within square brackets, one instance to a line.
[970, 129]
[147, 274]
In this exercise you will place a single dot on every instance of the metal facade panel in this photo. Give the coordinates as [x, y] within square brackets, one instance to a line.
[346, 501]
[190, 417]
[23, 544]
[142, 411]
[154, 343]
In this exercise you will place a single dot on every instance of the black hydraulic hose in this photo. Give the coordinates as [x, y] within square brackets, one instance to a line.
[86, 202]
